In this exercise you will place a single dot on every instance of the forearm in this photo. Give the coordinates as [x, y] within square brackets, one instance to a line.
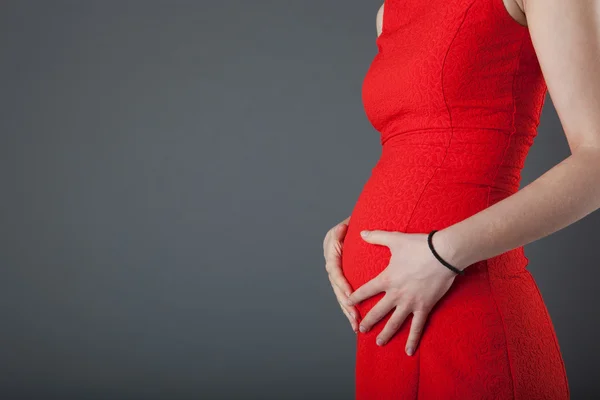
[564, 194]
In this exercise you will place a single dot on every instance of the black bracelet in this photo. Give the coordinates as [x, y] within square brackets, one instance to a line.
[458, 271]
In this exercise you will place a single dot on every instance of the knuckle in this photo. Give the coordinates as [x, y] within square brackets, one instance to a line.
[330, 266]
[395, 294]
[385, 280]
[410, 301]
[421, 307]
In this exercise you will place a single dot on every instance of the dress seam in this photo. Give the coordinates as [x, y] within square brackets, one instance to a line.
[449, 116]
[446, 153]
[510, 366]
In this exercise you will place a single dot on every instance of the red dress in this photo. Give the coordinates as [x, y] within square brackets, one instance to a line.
[456, 93]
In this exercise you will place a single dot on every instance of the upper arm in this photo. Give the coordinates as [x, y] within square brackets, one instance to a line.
[379, 20]
[566, 38]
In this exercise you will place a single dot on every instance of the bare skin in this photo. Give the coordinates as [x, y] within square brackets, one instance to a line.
[566, 38]
[332, 250]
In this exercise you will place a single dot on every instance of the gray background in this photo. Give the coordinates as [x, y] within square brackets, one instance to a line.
[169, 170]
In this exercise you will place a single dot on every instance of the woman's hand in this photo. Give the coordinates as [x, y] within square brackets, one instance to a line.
[332, 250]
[414, 281]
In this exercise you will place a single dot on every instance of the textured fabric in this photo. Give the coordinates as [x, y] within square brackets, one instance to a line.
[456, 93]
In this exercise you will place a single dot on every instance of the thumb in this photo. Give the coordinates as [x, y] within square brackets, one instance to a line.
[378, 236]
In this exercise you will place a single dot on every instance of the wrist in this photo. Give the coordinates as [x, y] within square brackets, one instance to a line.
[447, 245]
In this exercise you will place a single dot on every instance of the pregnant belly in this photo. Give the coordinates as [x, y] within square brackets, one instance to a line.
[406, 197]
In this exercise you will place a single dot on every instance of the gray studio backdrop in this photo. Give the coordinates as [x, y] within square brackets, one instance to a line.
[169, 170]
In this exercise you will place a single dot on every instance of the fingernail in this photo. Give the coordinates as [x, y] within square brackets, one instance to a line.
[379, 342]
[363, 329]
[364, 233]
[410, 351]
[349, 302]
[348, 294]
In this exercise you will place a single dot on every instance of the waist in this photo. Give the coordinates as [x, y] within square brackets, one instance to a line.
[490, 158]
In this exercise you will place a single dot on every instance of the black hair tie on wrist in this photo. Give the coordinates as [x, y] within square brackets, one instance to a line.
[440, 259]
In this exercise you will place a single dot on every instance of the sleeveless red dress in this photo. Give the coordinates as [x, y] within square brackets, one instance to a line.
[456, 93]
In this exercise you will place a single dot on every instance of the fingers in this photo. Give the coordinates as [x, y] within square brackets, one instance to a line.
[369, 289]
[416, 329]
[333, 255]
[393, 325]
[353, 322]
[350, 311]
[395, 322]
[332, 250]
[379, 310]
[341, 297]
[384, 238]
[335, 234]
[336, 276]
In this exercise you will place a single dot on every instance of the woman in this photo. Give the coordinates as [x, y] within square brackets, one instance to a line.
[439, 283]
